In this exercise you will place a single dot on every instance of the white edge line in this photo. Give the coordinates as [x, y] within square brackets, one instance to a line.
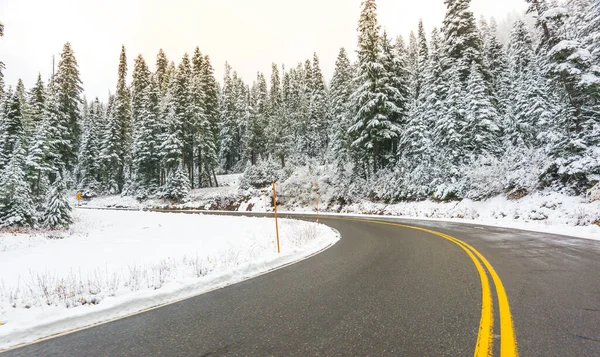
[60, 334]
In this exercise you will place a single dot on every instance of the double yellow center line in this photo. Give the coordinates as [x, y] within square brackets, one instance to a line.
[484, 347]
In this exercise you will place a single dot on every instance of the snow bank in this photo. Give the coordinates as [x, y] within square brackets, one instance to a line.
[114, 263]
[541, 212]
[547, 211]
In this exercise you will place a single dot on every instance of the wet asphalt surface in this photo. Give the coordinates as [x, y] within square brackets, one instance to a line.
[380, 291]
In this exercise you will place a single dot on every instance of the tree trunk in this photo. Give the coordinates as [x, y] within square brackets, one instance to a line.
[215, 177]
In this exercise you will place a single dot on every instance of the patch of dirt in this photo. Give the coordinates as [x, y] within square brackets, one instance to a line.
[517, 194]
[225, 205]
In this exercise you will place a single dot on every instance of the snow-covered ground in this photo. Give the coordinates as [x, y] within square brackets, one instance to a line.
[114, 263]
[540, 212]
[543, 212]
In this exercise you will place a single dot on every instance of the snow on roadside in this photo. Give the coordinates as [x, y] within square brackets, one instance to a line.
[113, 263]
[541, 212]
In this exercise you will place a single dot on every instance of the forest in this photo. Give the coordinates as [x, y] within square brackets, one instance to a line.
[447, 114]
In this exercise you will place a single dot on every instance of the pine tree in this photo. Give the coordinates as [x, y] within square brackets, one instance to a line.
[110, 153]
[372, 130]
[36, 100]
[481, 117]
[180, 90]
[44, 157]
[25, 111]
[68, 88]
[205, 144]
[207, 114]
[16, 204]
[528, 109]
[396, 80]
[2, 66]
[175, 146]
[58, 210]
[242, 113]
[177, 187]
[591, 31]
[172, 144]
[197, 62]
[229, 130]
[303, 94]
[421, 62]
[497, 65]
[89, 165]
[279, 129]
[450, 125]
[520, 49]
[162, 64]
[434, 86]
[255, 135]
[139, 83]
[339, 97]
[317, 118]
[11, 127]
[146, 143]
[575, 74]
[461, 38]
[121, 113]
[413, 63]
[210, 99]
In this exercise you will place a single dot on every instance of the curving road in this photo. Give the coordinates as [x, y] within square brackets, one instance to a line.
[383, 290]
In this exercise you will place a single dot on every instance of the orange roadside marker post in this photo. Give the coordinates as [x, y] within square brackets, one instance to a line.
[78, 198]
[275, 210]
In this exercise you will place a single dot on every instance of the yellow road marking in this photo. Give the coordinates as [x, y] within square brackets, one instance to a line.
[508, 343]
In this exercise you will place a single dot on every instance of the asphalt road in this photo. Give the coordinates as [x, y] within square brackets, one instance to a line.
[382, 290]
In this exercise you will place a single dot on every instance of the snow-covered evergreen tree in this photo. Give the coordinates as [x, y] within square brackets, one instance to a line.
[496, 62]
[210, 104]
[68, 89]
[121, 120]
[229, 131]
[58, 210]
[339, 108]
[89, 163]
[372, 130]
[396, 80]
[255, 138]
[177, 187]
[2, 66]
[482, 130]
[317, 109]
[146, 143]
[449, 128]
[279, 128]
[421, 62]
[162, 64]
[36, 100]
[16, 202]
[461, 38]
[11, 127]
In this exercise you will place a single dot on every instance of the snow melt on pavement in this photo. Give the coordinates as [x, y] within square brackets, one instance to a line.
[114, 263]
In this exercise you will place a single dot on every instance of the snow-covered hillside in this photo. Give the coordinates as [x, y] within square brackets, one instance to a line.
[112, 263]
[544, 211]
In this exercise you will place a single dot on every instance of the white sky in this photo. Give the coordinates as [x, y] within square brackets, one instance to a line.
[250, 34]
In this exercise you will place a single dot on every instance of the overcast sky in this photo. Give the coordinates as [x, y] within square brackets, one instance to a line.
[249, 34]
